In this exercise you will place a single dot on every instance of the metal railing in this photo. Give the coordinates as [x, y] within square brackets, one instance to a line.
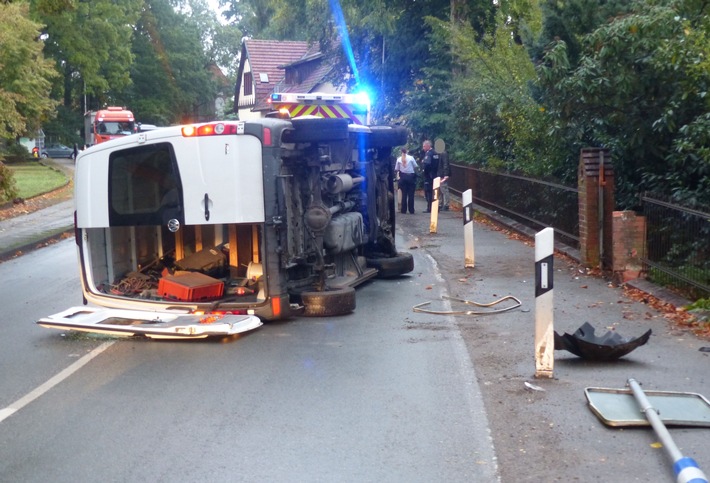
[677, 245]
[534, 203]
[677, 237]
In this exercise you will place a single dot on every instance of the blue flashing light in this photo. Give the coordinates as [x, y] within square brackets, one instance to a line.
[344, 36]
[363, 97]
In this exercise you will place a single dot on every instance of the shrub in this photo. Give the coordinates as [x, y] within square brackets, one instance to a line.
[8, 191]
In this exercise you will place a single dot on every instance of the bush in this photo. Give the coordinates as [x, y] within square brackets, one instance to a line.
[8, 191]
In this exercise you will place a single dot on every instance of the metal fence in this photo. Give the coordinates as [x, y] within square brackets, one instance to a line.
[677, 237]
[534, 203]
[677, 245]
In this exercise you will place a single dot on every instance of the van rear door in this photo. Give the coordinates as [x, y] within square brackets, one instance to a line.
[156, 325]
[223, 181]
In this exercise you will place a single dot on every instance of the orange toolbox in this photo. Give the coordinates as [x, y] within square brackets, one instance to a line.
[190, 287]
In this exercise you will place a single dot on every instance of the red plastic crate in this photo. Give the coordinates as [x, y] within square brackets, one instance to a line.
[190, 287]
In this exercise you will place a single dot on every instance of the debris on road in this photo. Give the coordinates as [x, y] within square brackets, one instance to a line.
[622, 407]
[533, 387]
[516, 302]
[610, 346]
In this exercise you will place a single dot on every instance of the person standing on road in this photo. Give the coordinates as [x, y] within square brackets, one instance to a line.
[75, 153]
[444, 172]
[406, 167]
[430, 165]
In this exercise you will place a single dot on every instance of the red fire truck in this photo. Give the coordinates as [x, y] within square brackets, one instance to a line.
[106, 124]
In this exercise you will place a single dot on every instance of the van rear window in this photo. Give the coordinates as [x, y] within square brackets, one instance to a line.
[144, 186]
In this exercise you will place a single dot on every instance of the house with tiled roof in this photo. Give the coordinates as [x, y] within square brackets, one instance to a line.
[271, 66]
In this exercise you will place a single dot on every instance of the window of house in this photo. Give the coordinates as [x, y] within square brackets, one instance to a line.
[248, 83]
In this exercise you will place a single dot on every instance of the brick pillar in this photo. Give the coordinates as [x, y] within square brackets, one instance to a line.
[629, 234]
[596, 204]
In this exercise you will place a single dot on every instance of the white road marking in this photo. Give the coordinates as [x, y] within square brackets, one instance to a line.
[42, 389]
[468, 372]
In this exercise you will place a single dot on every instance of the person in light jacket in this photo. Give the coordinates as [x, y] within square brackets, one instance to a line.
[406, 168]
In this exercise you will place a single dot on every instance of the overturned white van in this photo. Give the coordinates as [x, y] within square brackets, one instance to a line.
[206, 230]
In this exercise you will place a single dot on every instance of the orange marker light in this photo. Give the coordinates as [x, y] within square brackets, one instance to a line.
[276, 306]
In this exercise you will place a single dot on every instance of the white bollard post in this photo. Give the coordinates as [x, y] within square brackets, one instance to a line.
[544, 327]
[435, 206]
[468, 256]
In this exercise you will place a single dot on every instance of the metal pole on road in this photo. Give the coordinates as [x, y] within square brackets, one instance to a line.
[544, 326]
[686, 469]
[468, 255]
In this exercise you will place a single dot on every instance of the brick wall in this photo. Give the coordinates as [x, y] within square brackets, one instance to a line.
[629, 235]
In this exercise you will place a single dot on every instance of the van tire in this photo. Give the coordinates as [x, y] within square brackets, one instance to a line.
[312, 130]
[386, 136]
[390, 267]
[329, 302]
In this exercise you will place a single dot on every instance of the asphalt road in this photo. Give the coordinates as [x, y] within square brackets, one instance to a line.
[384, 394]
[378, 395]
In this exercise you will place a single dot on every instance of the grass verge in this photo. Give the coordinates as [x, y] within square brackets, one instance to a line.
[33, 178]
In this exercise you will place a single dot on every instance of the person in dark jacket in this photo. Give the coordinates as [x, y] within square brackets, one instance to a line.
[430, 166]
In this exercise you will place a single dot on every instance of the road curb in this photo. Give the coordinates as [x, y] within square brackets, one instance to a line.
[20, 249]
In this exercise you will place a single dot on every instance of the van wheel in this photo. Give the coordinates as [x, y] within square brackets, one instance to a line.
[394, 266]
[386, 136]
[328, 302]
[312, 130]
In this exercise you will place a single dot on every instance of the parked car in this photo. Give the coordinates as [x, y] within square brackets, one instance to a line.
[57, 151]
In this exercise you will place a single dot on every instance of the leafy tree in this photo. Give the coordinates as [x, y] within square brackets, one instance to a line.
[476, 88]
[570, 20]
[640, 89]
[170, 75]
[221, 43]
[25, 75]
[91, 43]
[269, 19]
[391, 49]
